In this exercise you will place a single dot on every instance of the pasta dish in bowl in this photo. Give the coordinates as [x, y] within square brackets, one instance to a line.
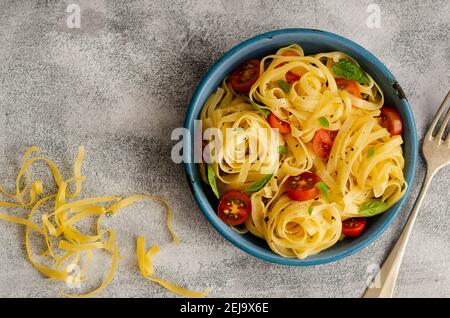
[304, 150]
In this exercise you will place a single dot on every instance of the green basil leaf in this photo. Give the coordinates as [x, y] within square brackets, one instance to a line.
[373, 207]
[324, 122]
[370, 152]
[350, 71]
[285, 87]
[212, 180]
[323, 189]
[310, 209]
[283, 150]
[263, 111]
[258, 185]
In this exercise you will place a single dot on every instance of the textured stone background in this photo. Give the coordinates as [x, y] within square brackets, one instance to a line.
[122, 82]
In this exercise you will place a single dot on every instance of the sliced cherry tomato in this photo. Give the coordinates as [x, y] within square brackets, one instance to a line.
[291, 77]
[244, 76]
[349, 86]
[289, 53]
[303, 187]
[333, 134]
[353, 227]
[282, 126]
[323, 142]
[391, 120]
[234, 207]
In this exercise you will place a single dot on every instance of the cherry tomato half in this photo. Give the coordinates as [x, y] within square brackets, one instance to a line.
[282, 126]
[291, 77]
[234, 207]
[289, 53]
[353, 227]
[323, 142]
[391, 120]
[349, 86]
[244, 76]
[303, 187]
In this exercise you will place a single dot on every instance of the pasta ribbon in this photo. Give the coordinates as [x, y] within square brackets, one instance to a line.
[365, 161]
[74, 249]
[145, 261]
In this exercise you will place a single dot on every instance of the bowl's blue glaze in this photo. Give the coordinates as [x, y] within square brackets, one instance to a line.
[312, 41]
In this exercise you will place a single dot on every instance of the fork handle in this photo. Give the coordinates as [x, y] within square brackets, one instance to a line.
[388, 273]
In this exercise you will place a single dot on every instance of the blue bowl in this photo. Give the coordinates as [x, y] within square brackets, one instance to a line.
[312, 41]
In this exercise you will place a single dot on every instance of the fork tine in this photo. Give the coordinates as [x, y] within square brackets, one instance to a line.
[429, 134]
[441, 131]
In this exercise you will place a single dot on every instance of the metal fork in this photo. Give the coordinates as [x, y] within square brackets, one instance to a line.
[436, 152]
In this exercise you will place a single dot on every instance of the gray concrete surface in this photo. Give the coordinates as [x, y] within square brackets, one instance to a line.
[121, 83]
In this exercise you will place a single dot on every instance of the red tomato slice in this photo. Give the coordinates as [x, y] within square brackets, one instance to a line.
[349, 86]
[303, 187]
[234, 207]
[323, 142]
[289, 53]
[244, 76]
[291, 77]
[333, 134]
[282, 126]
[391, 120]
[353, 227]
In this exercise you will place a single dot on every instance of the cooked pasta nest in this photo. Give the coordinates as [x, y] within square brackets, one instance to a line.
[365, 162]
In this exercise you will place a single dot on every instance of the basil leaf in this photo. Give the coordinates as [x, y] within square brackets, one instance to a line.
[324, 122]
[258, 185]
[310, 209]
[263, 111]
[212, 180]
[373, 207]
[285, 87]
[370, 152]
[283, 150]
[350, 71]
[323, 189]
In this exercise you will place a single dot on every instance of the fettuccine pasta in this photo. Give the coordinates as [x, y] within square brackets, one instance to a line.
[301, 149]
[75, 249]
